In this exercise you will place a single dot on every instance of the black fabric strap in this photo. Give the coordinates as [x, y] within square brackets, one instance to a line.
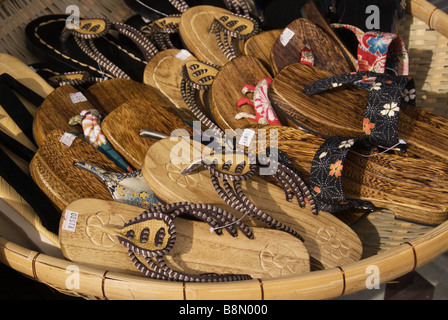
[326, 176]
[383, 106]
[14, 107]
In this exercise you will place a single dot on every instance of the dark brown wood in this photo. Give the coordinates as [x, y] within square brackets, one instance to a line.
[123, 125]
[226, 91]
[327, 53]
[56, 111]
[325, 113]
[194, 28]
[53, 170]
[162, 170]
[163, 73]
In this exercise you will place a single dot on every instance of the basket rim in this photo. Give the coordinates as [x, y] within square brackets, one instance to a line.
[322, 284]
[339, 281]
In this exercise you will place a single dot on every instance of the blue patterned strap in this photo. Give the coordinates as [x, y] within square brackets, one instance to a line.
[381, 116]
[326, 176]
[129, 187]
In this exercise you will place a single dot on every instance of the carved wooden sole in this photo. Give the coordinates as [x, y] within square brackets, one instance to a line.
[329, 241]
[88, 240]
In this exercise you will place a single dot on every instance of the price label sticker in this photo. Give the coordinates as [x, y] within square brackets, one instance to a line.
[67, 139]
[286, 36]
[77, 97]
[70, 220]
[247, 137]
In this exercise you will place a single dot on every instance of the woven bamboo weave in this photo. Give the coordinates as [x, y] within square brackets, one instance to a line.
[396, 247]
[428, 53]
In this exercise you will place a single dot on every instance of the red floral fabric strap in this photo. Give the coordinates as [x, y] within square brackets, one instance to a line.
[379, 51]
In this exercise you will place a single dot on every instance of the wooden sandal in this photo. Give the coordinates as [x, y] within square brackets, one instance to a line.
[261, 45]
[301, 38]
[53, 170]
[131, 134]
[161, 25]
[123, 237]
[302, 93]
[163, 170]
[68, 109]
[111, 94]
[215, 35]
[164, 74]
[89, 47]
[413, 189]
[229, 103]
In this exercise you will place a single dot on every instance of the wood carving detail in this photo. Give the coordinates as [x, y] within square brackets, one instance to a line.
[97, 226]
[333, 242]
[191, 180]
[280, 259]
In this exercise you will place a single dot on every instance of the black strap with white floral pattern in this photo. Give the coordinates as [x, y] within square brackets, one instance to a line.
[386, 95]
[326, 176]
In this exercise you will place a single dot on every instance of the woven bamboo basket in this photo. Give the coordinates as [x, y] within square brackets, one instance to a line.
[394, 247]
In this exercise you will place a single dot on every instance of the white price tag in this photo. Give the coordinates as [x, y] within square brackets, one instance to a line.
[246, 138]
[146, 20]
[286, 36]
[67, 139]
[183, 54]
[77, 97]
[70, 220]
